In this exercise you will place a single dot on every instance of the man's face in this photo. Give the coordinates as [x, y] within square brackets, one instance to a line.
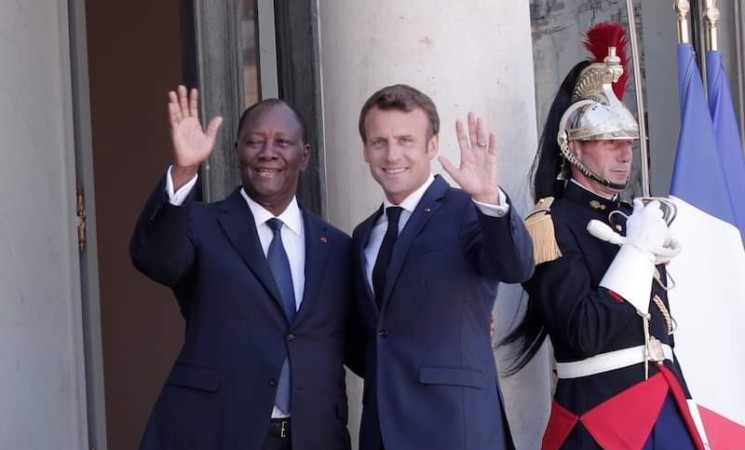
[272, 153]
[398, 150]
[610, 159]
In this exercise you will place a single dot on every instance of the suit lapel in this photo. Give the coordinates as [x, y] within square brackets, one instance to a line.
[238, 224]
[316, 257]
[365, 229]
[428, 205]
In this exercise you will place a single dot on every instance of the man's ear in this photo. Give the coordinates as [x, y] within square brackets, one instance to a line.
[433, 145]
[238, 155]
[576, 148]
[304, 156]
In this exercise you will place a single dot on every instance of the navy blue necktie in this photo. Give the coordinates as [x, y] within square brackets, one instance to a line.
[385, 252]
[280, 265]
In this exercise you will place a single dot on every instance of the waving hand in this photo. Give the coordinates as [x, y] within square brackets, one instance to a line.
[191, 144]
[477, 174]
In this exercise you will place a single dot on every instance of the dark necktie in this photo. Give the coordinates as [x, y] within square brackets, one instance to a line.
[385, 252]
[280, 265]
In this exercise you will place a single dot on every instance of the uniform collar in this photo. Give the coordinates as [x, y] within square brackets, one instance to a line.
[588, 199]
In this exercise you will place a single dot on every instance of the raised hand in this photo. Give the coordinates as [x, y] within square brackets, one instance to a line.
[477, 174]
[191, 144]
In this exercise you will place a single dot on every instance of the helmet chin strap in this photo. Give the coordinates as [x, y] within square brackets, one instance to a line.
[573, 160]
[600, 180]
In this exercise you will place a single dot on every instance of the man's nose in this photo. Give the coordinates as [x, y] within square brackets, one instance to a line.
[267, 150]
[393, 153]
[626, 152]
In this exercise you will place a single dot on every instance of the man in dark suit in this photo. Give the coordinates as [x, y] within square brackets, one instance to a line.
[264, 287]
[427, 272]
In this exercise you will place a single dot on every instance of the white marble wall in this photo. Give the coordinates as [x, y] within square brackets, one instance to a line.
[467, 55]
[42, 391]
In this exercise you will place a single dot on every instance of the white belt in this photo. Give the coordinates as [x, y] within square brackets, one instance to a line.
[605, 362]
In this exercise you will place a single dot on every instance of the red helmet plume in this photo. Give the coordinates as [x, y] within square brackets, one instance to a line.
[604, 35]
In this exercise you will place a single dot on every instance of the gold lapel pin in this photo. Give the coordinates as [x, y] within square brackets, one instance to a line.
[597, 205]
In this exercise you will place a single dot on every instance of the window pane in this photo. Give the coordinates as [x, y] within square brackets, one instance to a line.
[249, 52]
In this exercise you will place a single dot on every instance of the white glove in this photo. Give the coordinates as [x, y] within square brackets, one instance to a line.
[643, 231]
[632, 270]
[647, 230]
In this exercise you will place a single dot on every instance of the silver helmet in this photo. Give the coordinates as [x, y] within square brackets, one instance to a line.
[596, 113]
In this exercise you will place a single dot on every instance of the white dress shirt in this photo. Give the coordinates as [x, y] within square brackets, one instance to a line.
[408, 205]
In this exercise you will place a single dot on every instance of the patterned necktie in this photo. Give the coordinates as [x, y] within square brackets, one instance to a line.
[280, 265]
[385, 252]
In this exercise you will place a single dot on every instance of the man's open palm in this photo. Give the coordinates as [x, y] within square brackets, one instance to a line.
[191, 144]
[477, 173]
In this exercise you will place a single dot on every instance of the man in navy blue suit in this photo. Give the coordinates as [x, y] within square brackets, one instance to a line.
[264, 287]
[428, 263]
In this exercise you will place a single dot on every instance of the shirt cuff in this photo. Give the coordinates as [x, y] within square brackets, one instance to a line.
[499, 210]
[177, 198]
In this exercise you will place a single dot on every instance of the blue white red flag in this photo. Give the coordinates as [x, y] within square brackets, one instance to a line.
[708, 301]
[729, 145]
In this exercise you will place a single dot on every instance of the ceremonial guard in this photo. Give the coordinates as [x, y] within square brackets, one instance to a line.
[599, 288]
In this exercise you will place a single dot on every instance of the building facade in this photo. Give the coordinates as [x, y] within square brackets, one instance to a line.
[85, 340]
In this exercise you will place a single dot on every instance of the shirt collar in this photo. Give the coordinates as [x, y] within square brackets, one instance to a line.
[410, 202]
[291, 217]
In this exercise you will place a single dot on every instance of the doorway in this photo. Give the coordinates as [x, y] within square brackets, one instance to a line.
[137, 51]
[134, 59]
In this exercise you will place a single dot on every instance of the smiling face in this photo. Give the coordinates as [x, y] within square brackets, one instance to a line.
[398, 150]
[610, 159]
[272, 153]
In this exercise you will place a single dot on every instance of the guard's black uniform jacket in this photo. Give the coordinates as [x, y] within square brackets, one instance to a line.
[585, 320]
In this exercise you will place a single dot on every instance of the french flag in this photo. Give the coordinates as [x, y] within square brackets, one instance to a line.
[708, 299]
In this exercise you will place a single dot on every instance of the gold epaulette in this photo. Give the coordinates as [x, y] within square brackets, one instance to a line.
[541, 229]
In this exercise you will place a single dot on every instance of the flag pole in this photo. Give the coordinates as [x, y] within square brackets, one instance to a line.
[739, 20]
[682, 9]
[712, 16]
[643, 145]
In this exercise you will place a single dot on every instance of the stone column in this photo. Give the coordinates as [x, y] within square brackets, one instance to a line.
[472, 55]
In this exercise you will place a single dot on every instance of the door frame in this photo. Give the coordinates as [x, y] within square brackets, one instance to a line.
[89, 281]
[289, 69]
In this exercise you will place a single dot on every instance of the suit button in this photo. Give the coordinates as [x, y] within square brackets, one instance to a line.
[273, 382]
[383, 332]
[290, 337]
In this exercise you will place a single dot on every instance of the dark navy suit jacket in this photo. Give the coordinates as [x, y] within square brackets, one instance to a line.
[430, 377]
[220, 392]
